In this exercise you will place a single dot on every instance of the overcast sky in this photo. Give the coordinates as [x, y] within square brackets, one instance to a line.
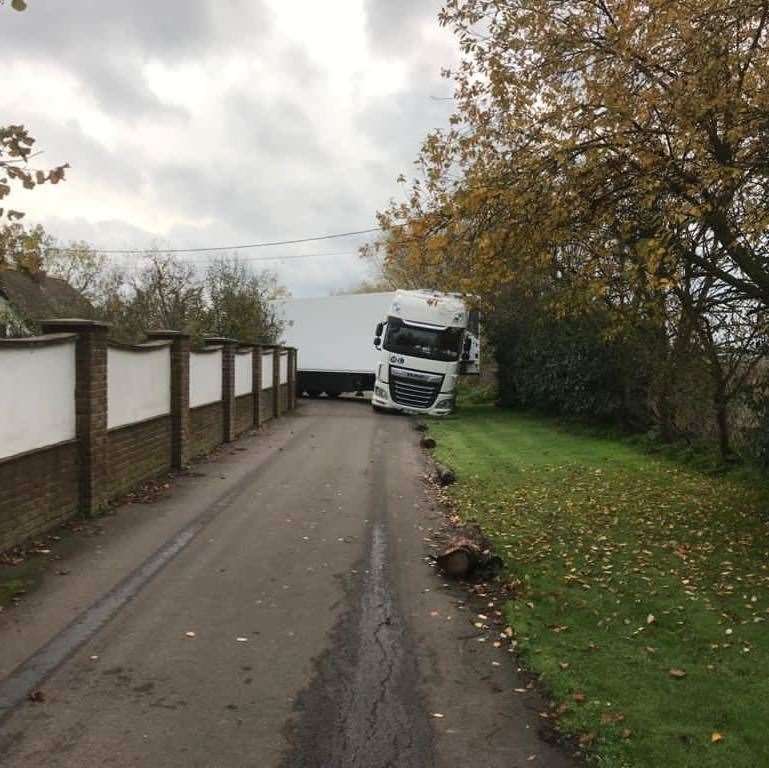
[213, 122]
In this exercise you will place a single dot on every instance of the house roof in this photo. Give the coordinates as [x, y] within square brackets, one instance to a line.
[41, 296]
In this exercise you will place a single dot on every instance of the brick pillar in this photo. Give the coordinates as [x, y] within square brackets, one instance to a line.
[180, 394]
[276, 381]
[90, 406]
[257, 383]
[291, 378]
[228, 383]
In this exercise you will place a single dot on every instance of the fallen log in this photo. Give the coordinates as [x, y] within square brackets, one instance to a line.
[444, 475]
[469, 554]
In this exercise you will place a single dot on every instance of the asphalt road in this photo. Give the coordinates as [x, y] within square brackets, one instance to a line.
[293, 623]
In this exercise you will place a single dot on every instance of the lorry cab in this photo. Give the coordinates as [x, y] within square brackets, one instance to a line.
[426, 341]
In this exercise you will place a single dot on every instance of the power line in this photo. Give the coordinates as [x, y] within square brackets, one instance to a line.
[282, 258]
[241, 247]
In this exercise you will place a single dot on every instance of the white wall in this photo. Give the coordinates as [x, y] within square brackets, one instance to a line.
[244, 374]
[205, 378]
[37, 387]
[284, 368]
[267, 370]
[138, 385]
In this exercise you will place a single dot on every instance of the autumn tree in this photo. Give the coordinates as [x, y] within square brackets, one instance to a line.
[16, 150]
[15, 154]
[238, 301]
[619, 147]
[564, 119]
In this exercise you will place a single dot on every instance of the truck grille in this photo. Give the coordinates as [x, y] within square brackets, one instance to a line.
[413, 388]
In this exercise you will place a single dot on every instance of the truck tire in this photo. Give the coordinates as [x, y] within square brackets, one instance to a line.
[313, 393]
[333, 394]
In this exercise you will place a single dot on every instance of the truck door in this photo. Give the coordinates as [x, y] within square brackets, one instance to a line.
[471, 352]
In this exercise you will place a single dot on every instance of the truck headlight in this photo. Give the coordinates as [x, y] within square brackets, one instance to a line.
[447, 402]
[379, 392]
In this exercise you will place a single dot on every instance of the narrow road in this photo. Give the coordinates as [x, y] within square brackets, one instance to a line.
[295, 624]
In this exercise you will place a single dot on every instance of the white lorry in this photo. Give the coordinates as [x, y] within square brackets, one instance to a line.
[422, 342]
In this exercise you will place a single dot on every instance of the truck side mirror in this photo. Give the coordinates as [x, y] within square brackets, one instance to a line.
[377, 341]
[379, 329]
[468, 344]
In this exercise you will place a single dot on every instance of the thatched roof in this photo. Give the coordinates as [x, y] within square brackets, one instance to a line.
[39, 296]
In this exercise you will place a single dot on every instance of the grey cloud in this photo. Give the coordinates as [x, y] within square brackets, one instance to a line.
[105, 44]
[256, 205]
[274, 178]
[301, 70]
[110, 233]
[398, 126]
[88, 159]
[280, 130]
[393, 25]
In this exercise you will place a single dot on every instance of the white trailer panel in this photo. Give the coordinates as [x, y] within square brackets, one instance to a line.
[335, 334]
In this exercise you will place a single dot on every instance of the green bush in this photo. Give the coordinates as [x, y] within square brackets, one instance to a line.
[566, 366]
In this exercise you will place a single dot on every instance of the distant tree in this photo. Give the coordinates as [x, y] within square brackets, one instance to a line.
[238, 301]
[78, 263]
[163, 293]
[21, 247]
[378, 285]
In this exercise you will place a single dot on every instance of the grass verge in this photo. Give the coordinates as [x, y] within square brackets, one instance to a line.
[644, 586]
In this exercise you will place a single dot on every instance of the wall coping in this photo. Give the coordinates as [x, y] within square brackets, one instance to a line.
[33, 451]
[167, 333]
[75, 322]
[206, 405]
[46, 340]
[206, 350]
[146, 346]
[139, 423]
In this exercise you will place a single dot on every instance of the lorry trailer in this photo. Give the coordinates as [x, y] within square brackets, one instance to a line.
[334, 338]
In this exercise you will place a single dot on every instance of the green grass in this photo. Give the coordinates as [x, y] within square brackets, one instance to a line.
[602, 536]
[19, 579]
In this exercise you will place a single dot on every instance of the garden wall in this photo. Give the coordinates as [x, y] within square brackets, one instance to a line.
[90, 419]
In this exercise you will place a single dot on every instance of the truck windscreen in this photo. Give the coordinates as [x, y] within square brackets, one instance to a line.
[437, 344]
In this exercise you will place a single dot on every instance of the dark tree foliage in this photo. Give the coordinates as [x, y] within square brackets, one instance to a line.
[566, 365]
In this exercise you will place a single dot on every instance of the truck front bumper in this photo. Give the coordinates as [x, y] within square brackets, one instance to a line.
[443, 406]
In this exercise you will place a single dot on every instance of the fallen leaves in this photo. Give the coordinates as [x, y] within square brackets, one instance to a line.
[660, 573]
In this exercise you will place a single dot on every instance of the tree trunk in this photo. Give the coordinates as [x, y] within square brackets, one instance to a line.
[722, 421]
